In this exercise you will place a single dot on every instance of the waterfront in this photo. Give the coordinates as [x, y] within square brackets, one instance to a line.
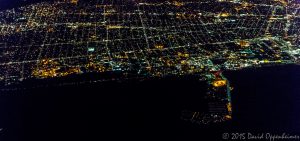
[264, 100]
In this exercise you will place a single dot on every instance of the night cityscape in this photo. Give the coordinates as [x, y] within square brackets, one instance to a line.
[197, 64]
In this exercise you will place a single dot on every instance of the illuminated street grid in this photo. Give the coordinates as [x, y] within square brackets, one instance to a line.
[153, 38]
[150, 38]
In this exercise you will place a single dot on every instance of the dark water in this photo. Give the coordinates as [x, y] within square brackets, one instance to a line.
[264, 100]
[119, 110]
[267, 99]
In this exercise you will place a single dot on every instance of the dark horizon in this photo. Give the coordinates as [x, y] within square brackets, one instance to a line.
[10, 4]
